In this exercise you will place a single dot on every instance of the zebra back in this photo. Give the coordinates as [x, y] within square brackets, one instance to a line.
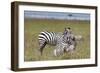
[49, 37]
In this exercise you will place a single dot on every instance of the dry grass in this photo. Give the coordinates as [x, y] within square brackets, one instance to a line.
[34, 26]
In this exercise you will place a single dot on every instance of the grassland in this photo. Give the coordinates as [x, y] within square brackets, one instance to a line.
[32, 27]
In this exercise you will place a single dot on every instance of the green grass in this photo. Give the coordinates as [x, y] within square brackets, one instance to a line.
[33, 27]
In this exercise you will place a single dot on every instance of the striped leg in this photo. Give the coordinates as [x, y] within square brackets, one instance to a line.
[42, 44]
[71, 48]
[59, 50]
[56, 53]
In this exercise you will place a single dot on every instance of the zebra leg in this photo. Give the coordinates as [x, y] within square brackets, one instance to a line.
[71, 48]
[59, 50]
[42, 44]
[56, 50]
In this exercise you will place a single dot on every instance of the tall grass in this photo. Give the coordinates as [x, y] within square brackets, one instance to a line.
[33, 27]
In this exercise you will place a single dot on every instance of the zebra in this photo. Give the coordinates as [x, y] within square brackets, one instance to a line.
[62, 41]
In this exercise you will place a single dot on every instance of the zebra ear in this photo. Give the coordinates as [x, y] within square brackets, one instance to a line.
[69, 28]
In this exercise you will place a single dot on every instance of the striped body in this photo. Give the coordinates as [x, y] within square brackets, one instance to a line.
[63, 41]
[50, 38]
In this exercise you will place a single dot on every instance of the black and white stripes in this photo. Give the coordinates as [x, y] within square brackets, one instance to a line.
[61, 40]
[48, 37]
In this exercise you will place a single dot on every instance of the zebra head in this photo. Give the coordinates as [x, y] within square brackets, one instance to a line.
[67, 31]
[69, 40]
[67, 35]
